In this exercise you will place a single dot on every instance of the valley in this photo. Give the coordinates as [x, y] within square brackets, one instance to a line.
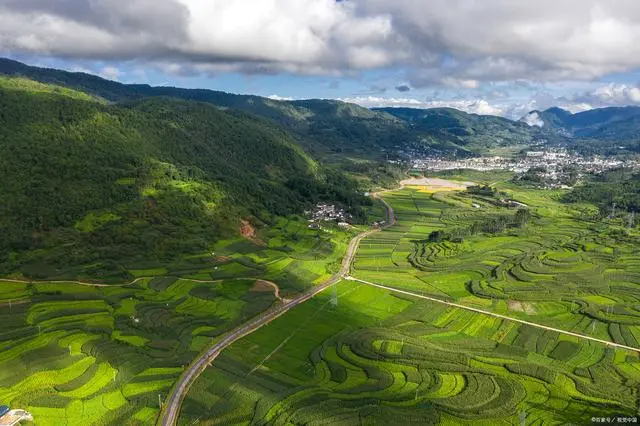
[180, 256]
[367, 352]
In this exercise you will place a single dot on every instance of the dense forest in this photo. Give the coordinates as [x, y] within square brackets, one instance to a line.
[620, 187]
[91, 185]
[331, 130]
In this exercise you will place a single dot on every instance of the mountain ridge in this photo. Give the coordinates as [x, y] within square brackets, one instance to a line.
[89, 186]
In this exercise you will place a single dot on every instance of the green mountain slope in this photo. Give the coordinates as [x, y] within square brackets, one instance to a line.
[89, 185]
[601, 123]
[323, 127]
[467, 132]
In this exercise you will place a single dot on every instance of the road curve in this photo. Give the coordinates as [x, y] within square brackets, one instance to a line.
[493, 314]
[171, 409]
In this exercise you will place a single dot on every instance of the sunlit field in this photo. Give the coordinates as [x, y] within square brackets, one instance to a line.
[77, 354]
[363, 355]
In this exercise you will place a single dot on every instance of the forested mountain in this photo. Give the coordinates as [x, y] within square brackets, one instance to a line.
[87, 182]
[621, 123]
[327, 129]
[468, 132]
[323, 127]
[336, 131]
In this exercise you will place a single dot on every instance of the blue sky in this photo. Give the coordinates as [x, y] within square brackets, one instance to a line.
[489, 57]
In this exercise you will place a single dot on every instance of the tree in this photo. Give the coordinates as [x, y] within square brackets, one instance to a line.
[522, 217]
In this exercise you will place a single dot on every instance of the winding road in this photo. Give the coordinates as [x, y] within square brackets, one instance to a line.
[171, 409]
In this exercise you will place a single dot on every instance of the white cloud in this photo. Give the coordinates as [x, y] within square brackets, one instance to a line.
[459, 43]
[280, 98]
[307, 36]
[481, 107]
[533, 119]
[612, 94]
[110, 73]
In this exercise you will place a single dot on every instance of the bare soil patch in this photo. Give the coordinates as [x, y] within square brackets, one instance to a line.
[437, 184]
[249, 232]
[517, 306]
[268, 286]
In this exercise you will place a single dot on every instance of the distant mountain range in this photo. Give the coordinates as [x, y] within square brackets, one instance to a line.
[608, 124]
[325, 128]
[336, 131]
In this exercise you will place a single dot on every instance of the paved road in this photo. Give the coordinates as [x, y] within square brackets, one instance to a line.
[171, 410]
[480, 311]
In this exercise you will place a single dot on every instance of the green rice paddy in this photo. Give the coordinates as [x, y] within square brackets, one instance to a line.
[73, 354]
[361, 355]
[76, 355]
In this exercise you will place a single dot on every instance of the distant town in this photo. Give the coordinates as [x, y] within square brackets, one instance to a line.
[554, 168]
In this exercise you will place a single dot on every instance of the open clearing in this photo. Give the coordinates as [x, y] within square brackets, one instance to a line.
[436, 184]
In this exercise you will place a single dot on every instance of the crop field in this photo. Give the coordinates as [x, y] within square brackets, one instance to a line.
[289, 253]
[560, 270]
[75, 354]
[362, 355]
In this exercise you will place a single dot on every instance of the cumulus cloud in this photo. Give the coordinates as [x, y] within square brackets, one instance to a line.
[306, 36]
[403, 88]
[533, 119]
[481, 106]
[459, 43]
[610, 95]
[280, 98]
[498, 40]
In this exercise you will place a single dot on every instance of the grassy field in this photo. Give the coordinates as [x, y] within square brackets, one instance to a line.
[361, 355]
[73, 354]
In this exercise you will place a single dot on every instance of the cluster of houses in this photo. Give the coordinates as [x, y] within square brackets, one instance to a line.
[554, 164]
[326, 213]
[551, 159]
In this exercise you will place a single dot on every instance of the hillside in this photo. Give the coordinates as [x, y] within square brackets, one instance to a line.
[323, 127]
[345, 134]
[89, 185]
[332, 130]
[467, 132]
[621, 123]
[620, 187]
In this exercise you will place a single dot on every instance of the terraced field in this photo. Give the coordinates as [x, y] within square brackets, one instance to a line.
[374, 358]
[75, 354]
[560, 270]
[366, 356]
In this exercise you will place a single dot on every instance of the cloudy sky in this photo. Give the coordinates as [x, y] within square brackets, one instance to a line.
[502, 57]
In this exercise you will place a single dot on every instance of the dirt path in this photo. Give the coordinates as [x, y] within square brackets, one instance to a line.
[504, 317]
[264, 285]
